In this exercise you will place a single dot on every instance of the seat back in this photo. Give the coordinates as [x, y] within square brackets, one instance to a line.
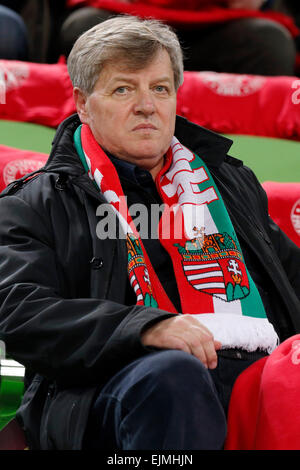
[284, 207]
[12, 437]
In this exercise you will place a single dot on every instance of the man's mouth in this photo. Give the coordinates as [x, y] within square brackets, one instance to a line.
[144, 126]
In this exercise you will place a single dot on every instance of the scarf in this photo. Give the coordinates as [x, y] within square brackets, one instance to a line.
[196, 231]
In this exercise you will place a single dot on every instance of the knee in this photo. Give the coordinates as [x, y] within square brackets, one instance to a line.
[270, 31]
[176, 389]
[174, 370]
[270, 37]
[12, 22]
[13, 35]
[175, 379]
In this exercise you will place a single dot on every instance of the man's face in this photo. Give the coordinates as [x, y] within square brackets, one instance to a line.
[132, 113]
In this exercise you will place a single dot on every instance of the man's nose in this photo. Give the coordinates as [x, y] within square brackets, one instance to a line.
[144, 103]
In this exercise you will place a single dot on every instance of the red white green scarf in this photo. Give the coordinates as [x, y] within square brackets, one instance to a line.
[208, 263]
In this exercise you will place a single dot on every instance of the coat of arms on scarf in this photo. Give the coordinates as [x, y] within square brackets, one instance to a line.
[213, 264]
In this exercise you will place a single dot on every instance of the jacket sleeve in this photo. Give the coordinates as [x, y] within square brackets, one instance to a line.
[72, 341]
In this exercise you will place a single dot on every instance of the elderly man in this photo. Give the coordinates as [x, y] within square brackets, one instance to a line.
[134, 329]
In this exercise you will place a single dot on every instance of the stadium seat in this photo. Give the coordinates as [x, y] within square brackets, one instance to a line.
[39, 93]
[12, 437]
[242, 104]
[284, 207]
[226, 103]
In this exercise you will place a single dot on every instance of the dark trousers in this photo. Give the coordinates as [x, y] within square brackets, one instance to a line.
[166, 400]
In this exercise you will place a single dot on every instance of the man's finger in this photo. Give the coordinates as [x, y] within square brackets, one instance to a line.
[199, 353]
[211, 355]
[203, 346]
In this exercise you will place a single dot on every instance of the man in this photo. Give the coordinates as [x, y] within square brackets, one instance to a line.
[133, 341]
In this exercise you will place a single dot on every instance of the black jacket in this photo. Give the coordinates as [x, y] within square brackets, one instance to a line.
[62, 289]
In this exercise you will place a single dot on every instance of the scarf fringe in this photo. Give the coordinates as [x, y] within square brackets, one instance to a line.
[240, 331]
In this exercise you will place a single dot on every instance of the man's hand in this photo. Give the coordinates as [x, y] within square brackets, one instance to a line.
[187, 334]
[246, 4]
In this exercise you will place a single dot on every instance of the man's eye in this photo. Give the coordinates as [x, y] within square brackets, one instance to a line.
[161, 88]
[121, 90]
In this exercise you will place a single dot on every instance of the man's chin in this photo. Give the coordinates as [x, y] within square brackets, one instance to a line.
[151, 157]
[145, 151]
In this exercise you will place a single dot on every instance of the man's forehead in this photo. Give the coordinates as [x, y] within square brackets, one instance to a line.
[133, 77]
[160, 65]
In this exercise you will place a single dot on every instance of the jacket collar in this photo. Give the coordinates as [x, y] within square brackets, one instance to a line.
[208, 145]
[211, 147]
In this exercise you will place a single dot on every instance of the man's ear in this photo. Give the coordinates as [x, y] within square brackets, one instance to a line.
[80, 99]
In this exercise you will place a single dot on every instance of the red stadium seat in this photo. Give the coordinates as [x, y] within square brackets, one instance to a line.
[226, 103]
[12, 437]
[15, 163]
[284, 207]
[38, 93]
[242, 104]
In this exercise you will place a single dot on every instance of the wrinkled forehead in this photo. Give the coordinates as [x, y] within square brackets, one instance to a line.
[158, 64]
[133, 55]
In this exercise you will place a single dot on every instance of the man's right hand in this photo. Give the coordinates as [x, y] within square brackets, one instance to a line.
[187, 334]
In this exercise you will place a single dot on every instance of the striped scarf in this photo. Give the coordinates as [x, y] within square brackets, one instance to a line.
[196, 231]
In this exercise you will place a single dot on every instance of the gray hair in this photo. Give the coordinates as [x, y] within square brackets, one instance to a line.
[128, 39]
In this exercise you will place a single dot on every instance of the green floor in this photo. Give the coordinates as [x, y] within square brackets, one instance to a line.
[270, 159]
[11, 391]
[26, 136]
